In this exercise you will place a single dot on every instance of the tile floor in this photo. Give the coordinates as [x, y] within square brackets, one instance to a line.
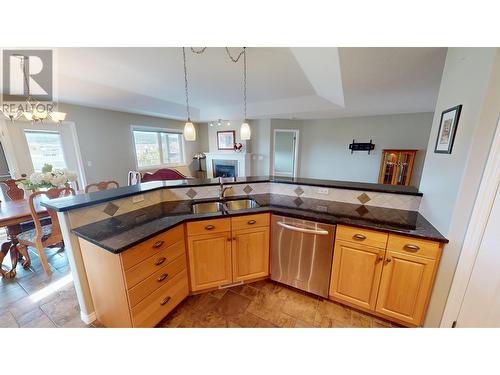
[33, 299]
[266, 304]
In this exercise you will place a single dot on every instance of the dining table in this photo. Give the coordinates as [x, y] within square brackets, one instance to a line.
[12, 214]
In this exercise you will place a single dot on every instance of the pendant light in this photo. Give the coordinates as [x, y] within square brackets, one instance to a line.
[189, 130]
[245, 132]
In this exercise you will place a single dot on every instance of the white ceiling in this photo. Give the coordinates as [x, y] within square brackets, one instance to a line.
[282, 82]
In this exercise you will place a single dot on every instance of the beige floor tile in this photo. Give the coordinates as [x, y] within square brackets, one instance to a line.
[329, 310]
[301, 307]
[360, 320]
[7, 320]
[35, 319]
[232, 304]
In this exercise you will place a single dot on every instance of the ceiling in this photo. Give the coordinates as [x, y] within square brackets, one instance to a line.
[302, 83]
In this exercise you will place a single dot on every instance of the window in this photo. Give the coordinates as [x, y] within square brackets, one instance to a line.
[45, 148]
[155, 148]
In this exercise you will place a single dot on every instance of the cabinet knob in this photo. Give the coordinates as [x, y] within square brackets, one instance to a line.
[162, 277]
[251, 222]
[380, 258]
[411, 247]
[157, 244]
[210, 227]
[359, 237]
[388, 260]
[160, 261]
[165, 300]
[229, 239]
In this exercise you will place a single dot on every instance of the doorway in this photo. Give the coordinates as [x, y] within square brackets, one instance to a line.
[285, 152]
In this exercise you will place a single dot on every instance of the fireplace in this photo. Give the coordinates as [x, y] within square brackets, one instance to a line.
[225, 168]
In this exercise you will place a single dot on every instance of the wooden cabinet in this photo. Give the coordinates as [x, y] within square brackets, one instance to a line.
[397, 167]
[405, 286]
[140, 286]
[250, 253]
[237, 251]
[391, 277]
[356, 273]
[210, 260]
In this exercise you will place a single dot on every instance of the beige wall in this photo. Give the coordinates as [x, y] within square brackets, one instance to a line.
[471, 77]
[323, 144]
[106, 141]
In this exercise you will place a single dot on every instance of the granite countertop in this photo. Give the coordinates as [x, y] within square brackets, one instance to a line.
[90, 199]
[121, 232]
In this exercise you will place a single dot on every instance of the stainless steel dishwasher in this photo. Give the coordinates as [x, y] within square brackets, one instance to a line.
[301, 254]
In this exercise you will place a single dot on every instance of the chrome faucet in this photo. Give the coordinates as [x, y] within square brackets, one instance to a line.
[222, 188]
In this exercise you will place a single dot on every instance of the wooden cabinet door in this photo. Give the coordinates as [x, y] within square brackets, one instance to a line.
[356, 273]
[210, 260]
[250, 253]
[405, 287]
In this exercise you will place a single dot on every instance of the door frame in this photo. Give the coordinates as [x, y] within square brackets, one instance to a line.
[296, 149]
[488, 190]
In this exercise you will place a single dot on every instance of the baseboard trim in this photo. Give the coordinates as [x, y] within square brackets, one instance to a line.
[88, 318]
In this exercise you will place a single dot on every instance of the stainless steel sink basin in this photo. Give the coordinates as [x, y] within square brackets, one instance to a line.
[207, 207]
[240, 204]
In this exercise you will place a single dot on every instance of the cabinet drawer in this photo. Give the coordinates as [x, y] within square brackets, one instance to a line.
[151, 247]
[415, 246]
[208, 226]
[250, 221]
[363, 236]
[152, 309]
[148, 266]
[156, 280]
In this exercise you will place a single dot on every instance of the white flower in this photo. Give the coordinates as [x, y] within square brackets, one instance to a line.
[37, 178]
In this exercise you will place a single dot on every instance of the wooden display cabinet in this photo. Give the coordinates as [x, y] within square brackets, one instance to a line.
[397, 167]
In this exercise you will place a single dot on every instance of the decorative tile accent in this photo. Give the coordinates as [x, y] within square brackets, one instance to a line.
[299, 191]
[248, 189]
[363, 198]
[191, 193]
[111, 209]
[298, 201]
[362, 210]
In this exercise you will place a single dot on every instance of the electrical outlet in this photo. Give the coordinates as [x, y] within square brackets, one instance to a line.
[137, 198]
[89, 163]
[321, 208]
[323, 191]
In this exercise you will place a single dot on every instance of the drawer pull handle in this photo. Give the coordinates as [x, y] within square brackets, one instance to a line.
[165, 300]
[251, 222]
[359, 237]
[209, 227]
[158, 244]
[162, 277]
[411, 247]
[160, 261]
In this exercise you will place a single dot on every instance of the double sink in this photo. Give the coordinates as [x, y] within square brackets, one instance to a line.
[221, 206]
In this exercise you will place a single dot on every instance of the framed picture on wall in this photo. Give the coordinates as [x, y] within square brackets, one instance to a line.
[447, 130]
[225, 140]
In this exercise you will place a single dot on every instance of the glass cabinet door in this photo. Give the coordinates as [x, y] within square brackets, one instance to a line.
[390, 167]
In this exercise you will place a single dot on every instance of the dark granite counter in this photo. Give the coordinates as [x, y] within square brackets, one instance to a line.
[90, 199]
[121, 232]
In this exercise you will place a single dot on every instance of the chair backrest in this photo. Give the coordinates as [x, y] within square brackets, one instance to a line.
[11, 190]
[51, 194]
[103, 185]
[163, 175]
[133, 178]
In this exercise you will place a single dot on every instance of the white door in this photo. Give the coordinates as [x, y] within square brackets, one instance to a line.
[481, 303]
[285, 152]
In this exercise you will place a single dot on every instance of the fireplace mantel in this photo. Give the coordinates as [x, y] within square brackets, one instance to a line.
[244, 161]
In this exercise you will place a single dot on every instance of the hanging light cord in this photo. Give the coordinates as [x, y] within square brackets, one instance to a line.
[198, 52]
[186, 84]
[245, 80]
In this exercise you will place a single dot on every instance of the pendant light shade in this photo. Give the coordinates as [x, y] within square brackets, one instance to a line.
[245, 131]
[189, 132]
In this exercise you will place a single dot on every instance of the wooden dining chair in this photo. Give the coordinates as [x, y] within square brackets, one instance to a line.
[11, 190]
[43, 236]
[103, 185]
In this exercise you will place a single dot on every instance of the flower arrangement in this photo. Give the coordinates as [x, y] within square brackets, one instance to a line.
[47, 178]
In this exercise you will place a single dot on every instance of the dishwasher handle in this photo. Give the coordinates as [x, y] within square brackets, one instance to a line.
[320, 232]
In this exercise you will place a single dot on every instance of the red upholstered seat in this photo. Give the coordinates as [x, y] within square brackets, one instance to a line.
[162, 175]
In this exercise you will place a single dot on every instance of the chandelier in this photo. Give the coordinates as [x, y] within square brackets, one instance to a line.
[31, 110]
